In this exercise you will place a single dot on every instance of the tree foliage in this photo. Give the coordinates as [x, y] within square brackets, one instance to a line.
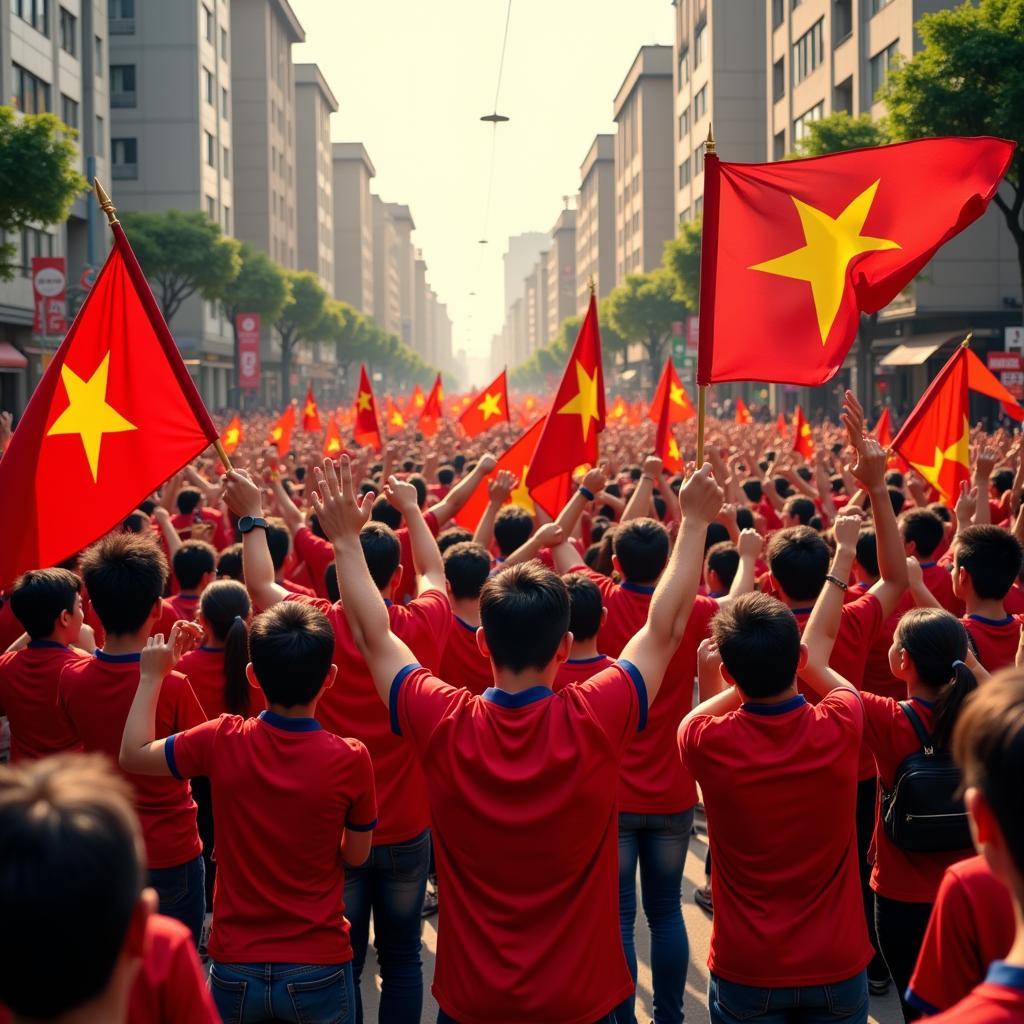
[301, 319]
[643, 309]
[840, 132]
[682, 258]
[260, 287]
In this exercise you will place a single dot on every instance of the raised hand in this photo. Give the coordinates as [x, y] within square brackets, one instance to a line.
[550, 535]
[846, 530]
[501, 487]
[241, 493]
[159, 656]
[700, 498]
[595, 480]
[401, 494]
[335, 503]
[750, 544]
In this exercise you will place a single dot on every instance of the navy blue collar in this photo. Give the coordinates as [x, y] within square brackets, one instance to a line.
[802, 611]
[47, 644]
[118, 659]
[1007, 975]
[464, 624]
[185, 597]
[775, 709]
[862, 585]
[716, 594]
[289, 724]
[585, 661]
[929, 565]
[212, 650]
[505, 699]
[991, 622]
[637, 588]
[926, 703]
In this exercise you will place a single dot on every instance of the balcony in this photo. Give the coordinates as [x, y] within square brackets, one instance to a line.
[121, 26]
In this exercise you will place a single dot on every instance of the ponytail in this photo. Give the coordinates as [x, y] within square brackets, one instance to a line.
[226, 606]
[949, 705]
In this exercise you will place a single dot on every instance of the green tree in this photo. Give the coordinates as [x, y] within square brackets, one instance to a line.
[643, 308]
[38, 180]
[968, 79]
[182, 252]
[682, 258]
[301, 319]
[839, 132]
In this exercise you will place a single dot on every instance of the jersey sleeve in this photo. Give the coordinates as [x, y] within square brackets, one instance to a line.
[308, 545]
[842, 707]
[617, 697]
[418, 701]
[321, 604]
[861, 620]
[688, 737]
[184, 996]
[423, 625]
[881, 721]
[603, 583]
[191, 752]
[362, 811]
[188, 712]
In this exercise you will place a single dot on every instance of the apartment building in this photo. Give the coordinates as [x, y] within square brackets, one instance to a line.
[353, 226]
[405, 260]
[387, 309]
[561, 271]
[595, 222]
[314, 174]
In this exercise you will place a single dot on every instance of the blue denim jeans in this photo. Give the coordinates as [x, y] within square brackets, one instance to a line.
[730, 1003]
[296, 993]
[443, 1018]
[391, 885]
[658, 843]
[182, 893]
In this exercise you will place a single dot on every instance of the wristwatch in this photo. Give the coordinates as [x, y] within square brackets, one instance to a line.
[247, 523]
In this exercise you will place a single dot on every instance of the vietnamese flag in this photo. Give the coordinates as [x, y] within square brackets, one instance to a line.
[780, 426]
[416, 401]
[981, 379]
[281, 432]
[793, 252]
[569, 438]
[487, 409]
[803, 442]
[743, 414]
[883, 428]
[367, 429]
[670, 389]
[431, 414]
[310, 414]
[232, 436]
[935, 439]
[393, 418]
[666, 447]
[618, 411]
[332, 439]
[115, 414]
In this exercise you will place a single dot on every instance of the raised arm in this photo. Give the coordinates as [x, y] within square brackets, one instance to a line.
[824, 482]
[548, 536]
[426, 556]
[984, 463]
[288, 510]
[460, 493]
[639, 503]
[749, 547]
[498, 492]
[569, 517]
[244, 498]
[167, 530]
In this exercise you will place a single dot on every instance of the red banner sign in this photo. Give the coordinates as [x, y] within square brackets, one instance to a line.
[49, 292]
[248, 331]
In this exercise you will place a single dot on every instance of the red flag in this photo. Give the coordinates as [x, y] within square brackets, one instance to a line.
[332, 439]
[577, 416]
[670, 388]
[935, 439]
[981, 379]
[431, 414]
[617, 413]
[803, 441]
[883, 428]
[743, 414]
[367, 430]
[780, 426]
[115, 414]
[487, 409]
[281, 432]
[416, 402]
[310, 414]
[808, 245]
[666, 447]
[232, 436]
[393, 418]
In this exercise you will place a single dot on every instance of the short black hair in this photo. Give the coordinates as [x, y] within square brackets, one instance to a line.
[331, 583]
[72, 867]
[382, 552]
[229, 564]
[188, 500]
[1002, 480]
[744, 518]
[513, 526]
[801, 508]
[278, 540]
[867, 550]
[897, 499]
[384, 512]
[894, 478]
[419, 482]
[135, 522]
[192, 561]
[924, 527]
[467, 566]
[752, 489]
[446, 476]
[452, 536]
[524, 611]
[642, 548]
[585, 605]
[991, 556]
[723, 558]
[715, 534]
[782, 487]
[125, 575]
[40, 595]
[291, 647]
[944, 512]
[798, 559]
[759, 641]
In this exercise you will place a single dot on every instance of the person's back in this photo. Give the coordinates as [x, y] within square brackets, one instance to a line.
[466, 567]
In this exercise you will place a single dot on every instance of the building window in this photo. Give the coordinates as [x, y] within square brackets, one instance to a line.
[121, 17]
[68, 32]
[97, 51]
[35, 12]
[778, 12]
[700, 46]
[880, 65]
[208, 88]
[122, 85]
[207, 24]
[223, 101]
[211, 207]
[33, 243]
[779, 145]
[211, 150]
[684, 67]
[698, 159]
[100, 135]
[800, 130]
[69, 111]
[779, 79]
[684, 173]
[225, 167]
[809, 51]
[698, 207]
[124, 158]
[842, 21]
[877, 5]
[700, 104]
[31, 94]
[223, 44]
[227, 220]
[684, 123]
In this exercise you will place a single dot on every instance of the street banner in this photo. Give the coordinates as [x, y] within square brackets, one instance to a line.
[248, 350]
[49, 294]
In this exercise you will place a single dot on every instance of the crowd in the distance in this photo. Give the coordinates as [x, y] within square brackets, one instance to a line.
[284, 703]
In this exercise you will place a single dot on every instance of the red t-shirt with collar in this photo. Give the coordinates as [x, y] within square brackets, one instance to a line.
[996, 640]
[28, 697]
[317, 553]
[352, 707]
[284, 790]
[653, 779]
[298, 588]
[971, 926]
[522, 796]
[579, 670]
[906, 875]
[186, 606]
[183, 523]
[939, 580]
[998, 1000]
[789, 910]
[205, 670]
[407, 585]
[462, 664]
[96, 694]
[1014, 600]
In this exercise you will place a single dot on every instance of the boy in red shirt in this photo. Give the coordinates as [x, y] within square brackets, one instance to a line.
[48, 604]
[293, 804]
[586, 617]
[125, 574]
[195, 568]
[467, 567]
[522, 780]
[923, 535]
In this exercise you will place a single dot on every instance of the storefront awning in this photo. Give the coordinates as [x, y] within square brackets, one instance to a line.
[916, 350]
[11, 358]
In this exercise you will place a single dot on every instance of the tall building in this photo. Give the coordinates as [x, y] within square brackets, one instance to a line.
[719, 61]
[561, 271]
[314, 174]
[419, 306]
[172, 148]
[53, 58]
[353, 225]
[519, 259]
[405, 260]
[644, 193]
[595, 222]
[387, 308]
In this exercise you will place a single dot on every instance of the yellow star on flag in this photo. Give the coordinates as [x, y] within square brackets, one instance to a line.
[88, 413]
[675, 393]
[397, 419]
[521, 494]
[231, 436]
[584, 404]
[309, 410]
[830, 245]
[958, 451]
[490, 406]
[364, 400]
[673, 448]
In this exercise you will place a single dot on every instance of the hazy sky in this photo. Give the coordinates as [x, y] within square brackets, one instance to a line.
[413, 77]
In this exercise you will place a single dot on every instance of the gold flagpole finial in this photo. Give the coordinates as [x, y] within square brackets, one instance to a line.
[592, 285]
[966, 343]
[106, 203]
[709, 143]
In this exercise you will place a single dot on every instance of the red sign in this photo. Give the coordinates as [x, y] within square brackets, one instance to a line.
[1010, 368]
[247, 329]
[692, 332]
[49, 292]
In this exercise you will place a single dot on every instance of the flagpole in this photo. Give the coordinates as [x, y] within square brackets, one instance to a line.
[711, 184]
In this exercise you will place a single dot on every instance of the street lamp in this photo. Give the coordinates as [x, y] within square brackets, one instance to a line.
[494, 118]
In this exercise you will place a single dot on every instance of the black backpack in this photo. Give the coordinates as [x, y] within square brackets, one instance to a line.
[923, 813]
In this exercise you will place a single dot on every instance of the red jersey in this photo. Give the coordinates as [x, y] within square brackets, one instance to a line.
[407, 585]
[96, 694]
[297, 588]
[186, 606]
[653, 779]
[317, 553]
[183, 524]
[522, 797]
[900, 874]
[462, 664]
[939, 580]
[205, 670]
[351, 707]
[1014, 600]
[28, 697]
[998, 1000]
[579, 670]
[284, 790]
[971, 926]
[996, 640]
[788, 912]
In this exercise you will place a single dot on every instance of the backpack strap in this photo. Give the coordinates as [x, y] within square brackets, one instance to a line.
[915, 720]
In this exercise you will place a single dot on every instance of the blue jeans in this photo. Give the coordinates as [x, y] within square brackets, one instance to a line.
[182, 893]
[391, 884]
[296, 993]
[731, 1003]
[659, 843]
[443, 1018]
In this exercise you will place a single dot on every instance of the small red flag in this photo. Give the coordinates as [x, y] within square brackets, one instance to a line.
[310, 414]
[332, 439]
[431, 415]
[487, 409]
[281, 432]
[617, 413]
[883, 428]
[115, 414]
[780, 426]
[670, 389]
[393, 418]
[233, 435]
[743, 414]
[803, 441]
[416, 402]
[981, 379]
[367, 429]
[666, 447]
